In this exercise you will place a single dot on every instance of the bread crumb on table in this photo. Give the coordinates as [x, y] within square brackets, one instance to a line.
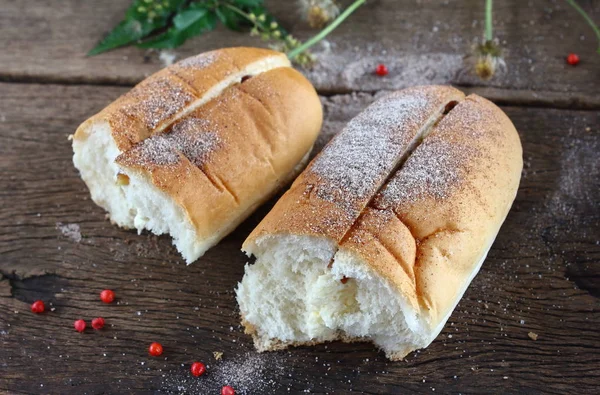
[532, 336]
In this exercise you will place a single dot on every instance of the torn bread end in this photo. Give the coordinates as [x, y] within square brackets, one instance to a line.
[299, 300]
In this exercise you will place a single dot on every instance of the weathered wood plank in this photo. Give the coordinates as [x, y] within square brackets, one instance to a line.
[541, 276]
[422, 42]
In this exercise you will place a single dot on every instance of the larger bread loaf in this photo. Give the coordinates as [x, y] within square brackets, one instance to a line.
[381, 235]
[195, 148]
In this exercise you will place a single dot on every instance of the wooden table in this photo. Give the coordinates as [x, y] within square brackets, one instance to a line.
[542, 275]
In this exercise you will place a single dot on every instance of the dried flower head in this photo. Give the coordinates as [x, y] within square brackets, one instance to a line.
[488, 59]
[485, 67]
[319, 13]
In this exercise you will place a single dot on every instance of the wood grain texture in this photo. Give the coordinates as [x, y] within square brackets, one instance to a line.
[421, 42]
[542, 276]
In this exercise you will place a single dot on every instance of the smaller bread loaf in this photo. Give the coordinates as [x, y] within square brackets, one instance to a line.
[195, 148]
[381, 235]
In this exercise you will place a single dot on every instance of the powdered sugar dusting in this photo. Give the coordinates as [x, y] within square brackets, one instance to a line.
[250, 373]
[70, 230]
[440, 164]
[433, 170]
[158, 150]
[199, 61]
[194, 138]
[157, 100]
[358, 160]
[191, 137]
[577, 192]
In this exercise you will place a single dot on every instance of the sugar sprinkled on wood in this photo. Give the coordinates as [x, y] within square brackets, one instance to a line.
[249, 373]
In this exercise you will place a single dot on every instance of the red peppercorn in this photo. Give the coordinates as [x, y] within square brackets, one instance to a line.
[573, 59]
[198, 369]
[227, 390]
[155, 349]
[79, 325]
[98, 323]
[381, 70]
[38, 307]
[107, 296]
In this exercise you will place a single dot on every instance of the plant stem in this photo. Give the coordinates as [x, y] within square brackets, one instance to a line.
[259, 26]
[240, 12]
[489, 32]
[323, 33]
[587, 19]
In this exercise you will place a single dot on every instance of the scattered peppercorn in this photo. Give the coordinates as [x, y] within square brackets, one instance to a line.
[98, 323]
[198, 369]
[79, 325]
[107, 296]
[381, 70]
[155, 349]
[573, 59]
[38, 307]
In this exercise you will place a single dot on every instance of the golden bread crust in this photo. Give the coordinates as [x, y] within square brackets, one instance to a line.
[455, 208]
[157, 101]
[240, 146]
[325, 201]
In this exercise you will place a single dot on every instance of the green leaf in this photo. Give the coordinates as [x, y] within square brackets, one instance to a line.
[125, 33]
[186, 18]
[231, 19]
[174, 37]
[249, 3]
[138, 24]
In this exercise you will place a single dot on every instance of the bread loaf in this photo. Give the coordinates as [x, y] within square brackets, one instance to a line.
[195, 148]
[380, 236]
